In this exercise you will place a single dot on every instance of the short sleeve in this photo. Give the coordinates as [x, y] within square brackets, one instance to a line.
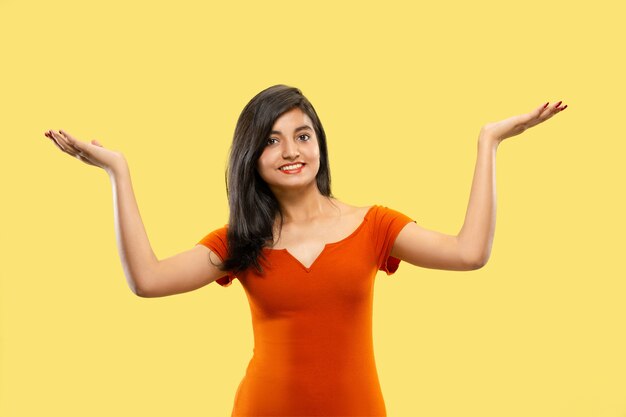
[387, 225]
[218, 243]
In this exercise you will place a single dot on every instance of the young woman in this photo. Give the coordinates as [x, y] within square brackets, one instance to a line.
[306, 260]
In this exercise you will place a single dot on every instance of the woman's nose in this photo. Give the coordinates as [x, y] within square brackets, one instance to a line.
[290, 150]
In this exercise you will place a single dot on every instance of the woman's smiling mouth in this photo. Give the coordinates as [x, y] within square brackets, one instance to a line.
[292, 168]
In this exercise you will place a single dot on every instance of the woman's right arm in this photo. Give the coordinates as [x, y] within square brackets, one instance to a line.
[133, 245]
[145, 274]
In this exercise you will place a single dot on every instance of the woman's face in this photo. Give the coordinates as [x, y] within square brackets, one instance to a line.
[292, 144]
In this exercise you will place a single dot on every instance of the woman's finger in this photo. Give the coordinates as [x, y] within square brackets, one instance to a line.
[552, 110]
[49, 136]
[74, 143]
[67, 147]
[546, 112]
[56, 140]
[67, 135]
[541, 109]
[61, 141]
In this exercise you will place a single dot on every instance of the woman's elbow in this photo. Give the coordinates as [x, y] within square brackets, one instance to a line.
[480, 262]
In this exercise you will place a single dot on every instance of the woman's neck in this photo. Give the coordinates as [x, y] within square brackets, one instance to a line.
[301, 207]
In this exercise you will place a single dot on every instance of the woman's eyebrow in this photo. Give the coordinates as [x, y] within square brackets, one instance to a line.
[303, 127]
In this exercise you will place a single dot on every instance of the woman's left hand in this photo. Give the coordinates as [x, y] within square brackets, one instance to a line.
[515, 125]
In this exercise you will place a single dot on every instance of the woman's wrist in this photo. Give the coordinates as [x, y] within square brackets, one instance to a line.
[120, 166]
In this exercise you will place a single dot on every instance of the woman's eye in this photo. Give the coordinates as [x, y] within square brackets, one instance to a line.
[270, 140]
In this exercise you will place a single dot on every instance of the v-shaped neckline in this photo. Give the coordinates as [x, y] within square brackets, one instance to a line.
[326, 245]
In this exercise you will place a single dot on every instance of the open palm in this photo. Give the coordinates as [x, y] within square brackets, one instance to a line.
[90, 153]
[517, 124]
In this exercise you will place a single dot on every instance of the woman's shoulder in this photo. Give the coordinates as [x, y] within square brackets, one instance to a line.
[353, 217]
[375, 212]
[352, 210]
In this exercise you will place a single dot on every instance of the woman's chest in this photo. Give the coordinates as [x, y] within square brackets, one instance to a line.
[306, 242]
[342, 276]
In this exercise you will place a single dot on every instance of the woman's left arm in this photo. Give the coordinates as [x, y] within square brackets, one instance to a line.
[476, 236]
[470, 249]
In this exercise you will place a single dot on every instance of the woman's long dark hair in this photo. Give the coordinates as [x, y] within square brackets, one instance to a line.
[253, 207]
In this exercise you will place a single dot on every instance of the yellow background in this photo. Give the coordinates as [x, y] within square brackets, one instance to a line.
[402, 89]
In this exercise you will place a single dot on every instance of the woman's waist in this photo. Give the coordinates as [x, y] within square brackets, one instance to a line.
[339, 367]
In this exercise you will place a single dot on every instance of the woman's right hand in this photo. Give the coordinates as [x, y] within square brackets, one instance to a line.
[91, 153]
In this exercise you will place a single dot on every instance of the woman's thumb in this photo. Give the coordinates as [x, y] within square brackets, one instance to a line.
[95, 142]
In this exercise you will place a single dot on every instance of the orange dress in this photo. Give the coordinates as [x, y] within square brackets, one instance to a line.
[313, 349]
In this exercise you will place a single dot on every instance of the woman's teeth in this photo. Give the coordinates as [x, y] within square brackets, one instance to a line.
[290, 167]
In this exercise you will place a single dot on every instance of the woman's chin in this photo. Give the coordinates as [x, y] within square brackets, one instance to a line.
[281, 187]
